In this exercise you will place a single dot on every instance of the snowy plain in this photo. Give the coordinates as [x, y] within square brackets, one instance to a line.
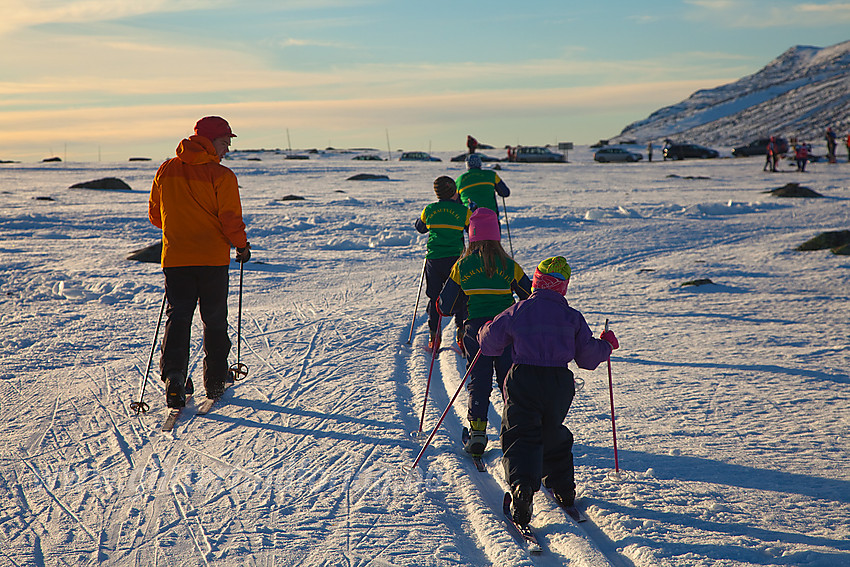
[732, 404]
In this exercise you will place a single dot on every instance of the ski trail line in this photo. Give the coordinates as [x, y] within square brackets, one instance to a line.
[59, 502]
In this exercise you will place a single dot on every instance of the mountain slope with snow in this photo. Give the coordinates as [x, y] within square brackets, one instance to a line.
[799, 94]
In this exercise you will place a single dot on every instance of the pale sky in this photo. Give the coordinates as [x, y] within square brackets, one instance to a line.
[113, 79]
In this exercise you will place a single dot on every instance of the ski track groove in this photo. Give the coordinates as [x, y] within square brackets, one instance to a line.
[187, 513]
[123, 446]
[59, 502]
[605, 549]
[303, 369]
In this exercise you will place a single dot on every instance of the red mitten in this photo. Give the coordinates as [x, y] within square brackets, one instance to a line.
[612, 340]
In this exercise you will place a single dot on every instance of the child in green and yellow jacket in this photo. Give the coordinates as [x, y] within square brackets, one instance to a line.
[444, 221]
[483, 282]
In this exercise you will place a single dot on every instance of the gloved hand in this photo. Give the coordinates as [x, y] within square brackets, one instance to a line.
[612, 340]
[243, 254]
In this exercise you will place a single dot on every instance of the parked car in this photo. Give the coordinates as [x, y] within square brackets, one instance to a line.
[685, 151]
[418, 156]
[484, 158]
[368, 157]
[535, 154]
[606, 155]
[759, 147]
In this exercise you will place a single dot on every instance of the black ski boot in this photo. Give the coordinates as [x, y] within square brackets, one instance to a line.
[521, 503]
[175, 390]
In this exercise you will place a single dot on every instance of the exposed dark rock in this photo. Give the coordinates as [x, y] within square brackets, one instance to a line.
[140, 159]
[151, 254]
[51, 159]
[44, 198]
[368, 177]
[703, 281]
[674, 176]
[826, 240]
[794, 190]
[291, 198]
[105, 184]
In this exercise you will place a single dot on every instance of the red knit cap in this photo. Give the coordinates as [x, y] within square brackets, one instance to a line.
[212, 127]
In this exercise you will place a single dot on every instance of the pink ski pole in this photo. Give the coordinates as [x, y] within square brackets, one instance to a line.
[430, 371]
[613, 421]
[448, 407]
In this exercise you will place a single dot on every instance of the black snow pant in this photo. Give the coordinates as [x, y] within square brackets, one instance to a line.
[437, 271]
[479, 385]
[185, 288]
[536, 445]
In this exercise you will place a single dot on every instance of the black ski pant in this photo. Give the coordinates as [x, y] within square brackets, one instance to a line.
[536, 445]
[437, 271]
[185, 288]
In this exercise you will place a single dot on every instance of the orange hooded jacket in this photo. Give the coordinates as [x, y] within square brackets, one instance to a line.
[195, 201]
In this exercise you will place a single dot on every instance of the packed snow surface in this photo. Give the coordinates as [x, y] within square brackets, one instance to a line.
[731, 398]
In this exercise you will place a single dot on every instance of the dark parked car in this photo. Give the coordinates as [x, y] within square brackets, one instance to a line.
[685, 151]
[759, 147]
[605, 155]
[536, 154]
[418, 156]
[484, 158]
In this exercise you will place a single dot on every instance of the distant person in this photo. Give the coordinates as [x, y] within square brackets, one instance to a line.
[801, 156]
[195, 201]
[649, 151]
[480, 186]
[444, 221]
[830, 145]
[770, 156]
[544, 334]
[471, 144]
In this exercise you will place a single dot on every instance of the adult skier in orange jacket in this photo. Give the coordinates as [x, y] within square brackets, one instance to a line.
[195, 201]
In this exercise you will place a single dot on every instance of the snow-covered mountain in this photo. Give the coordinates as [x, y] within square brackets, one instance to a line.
[799, 94]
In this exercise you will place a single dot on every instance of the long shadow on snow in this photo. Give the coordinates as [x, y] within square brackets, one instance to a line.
[261, 406]
[354, 436]
[697, 469]
[731, 552]
[768, 368]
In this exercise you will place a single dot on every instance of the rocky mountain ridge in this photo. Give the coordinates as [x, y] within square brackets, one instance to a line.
[798, 94]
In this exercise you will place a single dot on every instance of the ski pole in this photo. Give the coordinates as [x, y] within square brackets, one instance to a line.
[239, 371]
[434, 348]
[416, 306]
[613, 424]
[141, 406]
[448, 407]
[507, 225]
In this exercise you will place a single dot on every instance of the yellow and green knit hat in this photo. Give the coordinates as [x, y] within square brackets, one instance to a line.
[552, 273]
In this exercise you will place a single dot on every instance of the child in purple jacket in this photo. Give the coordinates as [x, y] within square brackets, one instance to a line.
[545, 334]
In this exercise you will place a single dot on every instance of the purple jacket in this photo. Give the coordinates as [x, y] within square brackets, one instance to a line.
[544, 331]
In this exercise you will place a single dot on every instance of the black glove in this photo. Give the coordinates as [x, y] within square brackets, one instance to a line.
[243, 254]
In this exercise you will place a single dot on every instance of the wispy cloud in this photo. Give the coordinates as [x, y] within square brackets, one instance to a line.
[756, 14]
[159, 127]
[20, 14]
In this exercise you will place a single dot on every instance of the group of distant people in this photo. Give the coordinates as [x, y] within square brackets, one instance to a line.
[803, 151]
